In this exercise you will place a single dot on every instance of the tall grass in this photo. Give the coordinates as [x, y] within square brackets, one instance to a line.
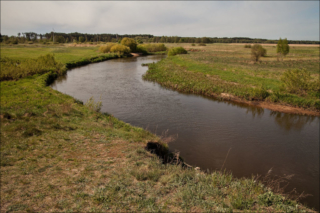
[153, 47]
[15, 69]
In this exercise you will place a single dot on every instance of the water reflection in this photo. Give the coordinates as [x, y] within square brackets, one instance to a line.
[290, 121]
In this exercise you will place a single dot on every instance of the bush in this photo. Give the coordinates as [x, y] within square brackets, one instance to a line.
[141, 49]
[247, 46]
[120, 49]
[299, 81]
[193, 45]
[14, 41]
[202, 44]
[106, 48]
[176, 51]
[129, 42]
[153, 47]
[257, 51]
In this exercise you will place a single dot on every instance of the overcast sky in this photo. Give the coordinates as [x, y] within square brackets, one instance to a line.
[295, 20]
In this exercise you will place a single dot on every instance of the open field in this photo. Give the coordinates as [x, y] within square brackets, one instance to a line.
[227, 71]
[60, 155]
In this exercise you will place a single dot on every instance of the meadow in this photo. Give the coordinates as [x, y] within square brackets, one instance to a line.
[59, 154]
[227, 71]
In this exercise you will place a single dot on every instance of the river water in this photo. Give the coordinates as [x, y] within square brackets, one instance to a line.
[206, 130]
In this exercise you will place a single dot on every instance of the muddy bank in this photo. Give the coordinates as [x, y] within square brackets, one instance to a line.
[268, 105]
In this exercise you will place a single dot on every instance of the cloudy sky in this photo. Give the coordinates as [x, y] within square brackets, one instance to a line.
[295, 20]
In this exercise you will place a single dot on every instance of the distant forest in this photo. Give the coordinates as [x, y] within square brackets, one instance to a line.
[84, 37]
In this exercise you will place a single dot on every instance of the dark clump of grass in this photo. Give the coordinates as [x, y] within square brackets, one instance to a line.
[176, 51]
[247, 46]
[202, 44]
[15, 69]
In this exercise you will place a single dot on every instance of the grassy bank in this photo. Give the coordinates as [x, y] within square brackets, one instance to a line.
[60, 155]
[218, 69]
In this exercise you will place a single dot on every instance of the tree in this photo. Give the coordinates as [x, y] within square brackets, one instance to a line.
[60, 39]
[129, 42]
[257, 51]
[283, 47]
[81, 39]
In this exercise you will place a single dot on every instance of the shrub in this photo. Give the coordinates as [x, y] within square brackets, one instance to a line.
[153, 47]
[129, 42]
[257, 51]
[177, 50]
[14, 41]
[202, 44]
[247, 46]
[106, 48]
[193, 45]
[120, 49]
[299, 81]
[141, 49]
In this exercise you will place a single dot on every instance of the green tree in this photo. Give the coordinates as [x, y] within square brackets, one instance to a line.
[129, 42]
[283, 47]
[81, 39]
[60, 39]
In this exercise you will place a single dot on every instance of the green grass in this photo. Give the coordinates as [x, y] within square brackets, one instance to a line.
[61, 53]
[59, 155]
[229, 69]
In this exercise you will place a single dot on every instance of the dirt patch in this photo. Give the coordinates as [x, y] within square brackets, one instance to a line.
[136, 54]
[268, 105]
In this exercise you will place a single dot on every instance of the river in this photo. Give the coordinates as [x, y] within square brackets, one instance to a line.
[208, 133]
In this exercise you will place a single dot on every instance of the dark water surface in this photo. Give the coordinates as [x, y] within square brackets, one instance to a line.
[258, 139]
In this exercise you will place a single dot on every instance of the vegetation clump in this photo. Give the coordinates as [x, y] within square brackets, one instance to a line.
[129, 42]
[247, 46]
[120, 49]
[106, 48]
[257, 51]
[176, 51]
[152, 47]
[202, 44]
[93, 105]
[299, 81]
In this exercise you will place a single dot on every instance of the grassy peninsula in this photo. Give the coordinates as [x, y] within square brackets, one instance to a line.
[58, 154]
[227, 71]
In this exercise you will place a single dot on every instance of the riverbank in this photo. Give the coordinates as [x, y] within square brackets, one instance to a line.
[60, 155]
[225, 72]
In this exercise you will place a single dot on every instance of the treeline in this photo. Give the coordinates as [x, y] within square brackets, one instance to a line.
[85, 37]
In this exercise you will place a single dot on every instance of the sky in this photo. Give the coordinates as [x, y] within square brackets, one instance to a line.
[295, 20]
